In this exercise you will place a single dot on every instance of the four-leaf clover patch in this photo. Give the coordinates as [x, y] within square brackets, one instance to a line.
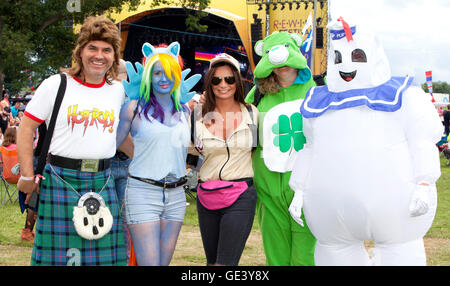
[289, 133]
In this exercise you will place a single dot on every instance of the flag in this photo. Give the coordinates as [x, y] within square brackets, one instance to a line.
[29, 77]
[306, 50]
[430, 84]
[204, 56]
[308, 24]
[307, 43]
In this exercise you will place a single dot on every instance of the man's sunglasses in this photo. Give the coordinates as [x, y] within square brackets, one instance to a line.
[228, 79]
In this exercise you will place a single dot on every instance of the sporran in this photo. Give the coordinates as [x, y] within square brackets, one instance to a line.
[91, 218]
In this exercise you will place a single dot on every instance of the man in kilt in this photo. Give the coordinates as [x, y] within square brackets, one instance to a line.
[79, 219]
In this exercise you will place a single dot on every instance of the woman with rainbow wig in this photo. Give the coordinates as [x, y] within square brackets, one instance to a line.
[154, 201]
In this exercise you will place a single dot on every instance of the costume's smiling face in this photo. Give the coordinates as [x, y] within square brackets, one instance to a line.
[357, 56]
[356, 64]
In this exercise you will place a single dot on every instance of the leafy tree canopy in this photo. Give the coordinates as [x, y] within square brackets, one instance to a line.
[38, 34]
[438, 87]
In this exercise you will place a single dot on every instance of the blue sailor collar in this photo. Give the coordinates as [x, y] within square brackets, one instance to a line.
[386, 97]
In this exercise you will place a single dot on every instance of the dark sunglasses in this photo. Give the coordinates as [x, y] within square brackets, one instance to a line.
[228, 79]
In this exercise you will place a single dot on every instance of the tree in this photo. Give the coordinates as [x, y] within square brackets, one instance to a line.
[38, 35]
[438, 87]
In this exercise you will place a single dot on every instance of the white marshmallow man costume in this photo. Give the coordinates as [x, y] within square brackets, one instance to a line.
[370, 145]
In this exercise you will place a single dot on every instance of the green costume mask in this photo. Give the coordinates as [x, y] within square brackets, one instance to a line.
[278, 50]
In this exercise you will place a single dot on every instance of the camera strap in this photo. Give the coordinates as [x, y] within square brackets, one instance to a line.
[45, 137]
[51, 126]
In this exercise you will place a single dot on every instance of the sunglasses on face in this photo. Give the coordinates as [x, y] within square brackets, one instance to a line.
[228, 79]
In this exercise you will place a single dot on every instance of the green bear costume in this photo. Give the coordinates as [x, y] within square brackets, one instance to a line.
[280, 138]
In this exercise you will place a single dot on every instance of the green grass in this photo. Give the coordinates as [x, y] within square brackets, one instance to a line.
[10, 221]
[441, 224]
[15, 252]
[191, 212]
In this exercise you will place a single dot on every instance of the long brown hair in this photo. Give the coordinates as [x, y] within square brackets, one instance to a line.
[268, 85]
[210, 98]
[9, 137]
[96, 29]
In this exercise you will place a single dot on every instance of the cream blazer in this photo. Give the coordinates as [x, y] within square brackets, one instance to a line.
[228, 159]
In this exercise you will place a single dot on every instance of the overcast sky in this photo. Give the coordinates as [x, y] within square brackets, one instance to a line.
[415, 33]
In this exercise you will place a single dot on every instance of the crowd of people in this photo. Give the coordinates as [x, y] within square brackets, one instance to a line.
[443, 144]
[444, 115]
[117, 162]
[10, 113]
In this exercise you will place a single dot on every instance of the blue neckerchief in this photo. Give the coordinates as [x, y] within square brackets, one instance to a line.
[386, 97]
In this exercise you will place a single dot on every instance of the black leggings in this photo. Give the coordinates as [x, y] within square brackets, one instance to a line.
[225, 231]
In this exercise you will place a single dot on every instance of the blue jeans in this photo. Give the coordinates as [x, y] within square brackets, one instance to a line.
[119, 170]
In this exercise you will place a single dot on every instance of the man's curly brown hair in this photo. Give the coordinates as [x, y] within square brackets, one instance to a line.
[97, 29]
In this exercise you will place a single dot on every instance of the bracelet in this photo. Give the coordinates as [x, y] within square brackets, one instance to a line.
[26, 178]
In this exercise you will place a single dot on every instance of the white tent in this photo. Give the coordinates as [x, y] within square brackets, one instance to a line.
[441, 99]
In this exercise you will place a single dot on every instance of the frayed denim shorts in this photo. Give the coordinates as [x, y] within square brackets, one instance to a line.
[149, 203]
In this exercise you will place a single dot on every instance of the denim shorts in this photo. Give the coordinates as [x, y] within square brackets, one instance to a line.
[149, 203]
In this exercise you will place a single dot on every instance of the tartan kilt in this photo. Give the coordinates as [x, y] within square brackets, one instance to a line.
[56, 241]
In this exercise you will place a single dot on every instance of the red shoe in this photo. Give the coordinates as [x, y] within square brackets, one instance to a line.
[27, 235]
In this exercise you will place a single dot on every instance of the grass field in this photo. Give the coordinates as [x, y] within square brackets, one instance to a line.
[189, 250]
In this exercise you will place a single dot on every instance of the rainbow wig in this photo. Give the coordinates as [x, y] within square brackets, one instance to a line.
[173, 71]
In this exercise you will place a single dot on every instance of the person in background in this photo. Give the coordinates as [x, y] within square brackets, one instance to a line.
[8, 154]
[224, 133]
[18, 118]
[5, 99]
[4, 118]
[15, 109]
[119, 169]
[446, 115]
